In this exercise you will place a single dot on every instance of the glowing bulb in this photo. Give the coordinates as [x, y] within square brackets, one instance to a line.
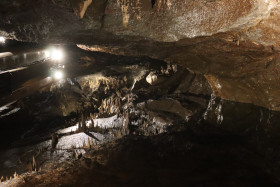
[57, 55]
[2, 39]
[58, 75]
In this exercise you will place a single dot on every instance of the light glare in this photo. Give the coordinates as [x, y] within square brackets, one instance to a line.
[57, 55]
[47, 54]
[54, 54]
[58, 75]
[2, 39]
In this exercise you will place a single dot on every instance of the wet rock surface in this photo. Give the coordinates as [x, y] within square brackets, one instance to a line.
[110, 122]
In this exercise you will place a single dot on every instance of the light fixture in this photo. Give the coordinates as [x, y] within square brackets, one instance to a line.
[58, 74]
[54, 54]
[57, 55]
[2, 39]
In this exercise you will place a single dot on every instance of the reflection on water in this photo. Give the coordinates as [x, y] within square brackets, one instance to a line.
[57, 71]
[215, 106]
[25, 59]
[241, 117]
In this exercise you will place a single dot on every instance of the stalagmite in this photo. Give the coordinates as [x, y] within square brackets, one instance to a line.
[33, 164]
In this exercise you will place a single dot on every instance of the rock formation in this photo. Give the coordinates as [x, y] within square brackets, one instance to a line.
[232, 43]
[187, 81]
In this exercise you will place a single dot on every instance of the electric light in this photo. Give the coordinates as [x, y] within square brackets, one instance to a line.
[2, 39]
[54, 54]
[58, 75]
[57, 55]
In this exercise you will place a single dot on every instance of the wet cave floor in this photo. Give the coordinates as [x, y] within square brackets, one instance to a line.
[131, 121]
[174, 159]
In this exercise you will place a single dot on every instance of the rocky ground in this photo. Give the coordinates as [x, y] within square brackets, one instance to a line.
[131, 121]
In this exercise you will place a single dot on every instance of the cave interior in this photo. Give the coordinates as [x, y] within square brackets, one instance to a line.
[139, 93]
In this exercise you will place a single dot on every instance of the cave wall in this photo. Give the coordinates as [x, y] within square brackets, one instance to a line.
[233, 43]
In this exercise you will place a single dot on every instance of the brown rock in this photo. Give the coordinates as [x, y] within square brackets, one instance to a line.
[169, 105]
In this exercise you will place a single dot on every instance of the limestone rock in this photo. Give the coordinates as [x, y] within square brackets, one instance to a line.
[169, 105]
[80, 7]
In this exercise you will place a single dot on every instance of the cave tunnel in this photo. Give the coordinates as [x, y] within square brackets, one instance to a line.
[139, 93]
